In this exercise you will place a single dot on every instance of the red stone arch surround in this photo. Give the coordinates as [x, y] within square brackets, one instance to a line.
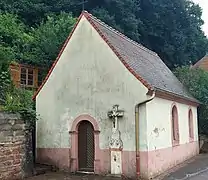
[74, 142]
[176, 124]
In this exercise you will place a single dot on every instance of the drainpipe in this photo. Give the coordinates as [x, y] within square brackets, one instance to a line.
[137, 130]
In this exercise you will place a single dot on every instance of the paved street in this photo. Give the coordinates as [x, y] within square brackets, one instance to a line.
[194, 169]
[201, 176]
[195, 176]
[65, 176]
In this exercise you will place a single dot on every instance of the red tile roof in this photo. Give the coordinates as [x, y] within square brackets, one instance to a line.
[203, 63]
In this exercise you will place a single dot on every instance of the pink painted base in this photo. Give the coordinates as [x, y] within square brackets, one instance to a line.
[129, 163]
[61, 158]
[153, 163]
[58, 157]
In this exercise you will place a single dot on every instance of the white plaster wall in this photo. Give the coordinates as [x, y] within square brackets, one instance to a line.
[159, 123]
[143, 140]
[88, 78]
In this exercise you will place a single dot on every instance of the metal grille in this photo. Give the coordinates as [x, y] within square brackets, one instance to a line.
[90, 147]
[86, 146]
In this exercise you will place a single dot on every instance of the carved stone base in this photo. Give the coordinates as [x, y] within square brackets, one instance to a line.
[116, 163]
[115, 140]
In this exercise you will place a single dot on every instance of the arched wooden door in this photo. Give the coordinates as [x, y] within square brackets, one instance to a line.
[86, 147]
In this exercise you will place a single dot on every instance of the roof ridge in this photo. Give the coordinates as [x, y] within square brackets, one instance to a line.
[122, 35]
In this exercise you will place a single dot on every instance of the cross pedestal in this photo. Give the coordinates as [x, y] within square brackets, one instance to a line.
[115, 142]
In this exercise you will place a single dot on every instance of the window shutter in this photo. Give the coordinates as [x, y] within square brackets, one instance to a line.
[15, 74]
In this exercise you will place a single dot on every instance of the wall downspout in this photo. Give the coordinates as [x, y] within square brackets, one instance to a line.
[137, 131]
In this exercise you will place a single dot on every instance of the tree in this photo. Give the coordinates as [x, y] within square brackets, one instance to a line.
[12, 44]
[122, 15]
[32, 12]
[171, 28]
[196, 80]
[6, 55]
[47, 39]
[13, 38]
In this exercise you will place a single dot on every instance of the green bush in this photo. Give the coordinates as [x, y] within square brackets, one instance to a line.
[196, 80]
[4, 85]
[20, 100]
[16, 100]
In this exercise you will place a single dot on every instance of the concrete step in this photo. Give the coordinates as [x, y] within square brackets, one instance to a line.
[42, 169]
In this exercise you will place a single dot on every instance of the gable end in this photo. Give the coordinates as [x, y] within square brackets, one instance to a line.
[87, 16]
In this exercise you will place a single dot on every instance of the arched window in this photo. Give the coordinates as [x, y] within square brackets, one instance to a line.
[190, 121]
[175, 127]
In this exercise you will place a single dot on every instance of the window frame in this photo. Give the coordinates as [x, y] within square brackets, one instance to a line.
[27, 76]
[190, 125]
[175, 133]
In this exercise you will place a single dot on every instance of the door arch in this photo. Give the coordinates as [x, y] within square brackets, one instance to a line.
[86, 146]
[74, 165]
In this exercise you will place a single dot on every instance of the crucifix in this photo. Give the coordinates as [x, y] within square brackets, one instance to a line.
[115, 142]
[115, 113]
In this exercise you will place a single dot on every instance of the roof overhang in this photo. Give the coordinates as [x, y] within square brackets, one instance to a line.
[174, 97]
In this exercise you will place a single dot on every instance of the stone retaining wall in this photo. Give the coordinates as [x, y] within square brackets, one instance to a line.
[15, 148]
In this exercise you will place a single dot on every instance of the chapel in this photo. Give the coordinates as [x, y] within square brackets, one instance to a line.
[111, 106]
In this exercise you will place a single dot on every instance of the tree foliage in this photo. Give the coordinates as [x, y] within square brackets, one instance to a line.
[10, 37]
[34, 11]
[196, 81]
[172, 28]
[124, 18]
[10, 41]
[47, 39]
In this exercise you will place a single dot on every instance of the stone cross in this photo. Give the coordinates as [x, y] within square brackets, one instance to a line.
[115, 113]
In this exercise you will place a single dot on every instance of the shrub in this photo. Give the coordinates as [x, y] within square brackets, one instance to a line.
[196, 80]
[16, 100]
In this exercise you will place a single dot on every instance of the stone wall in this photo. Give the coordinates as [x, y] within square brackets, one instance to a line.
[15, 149]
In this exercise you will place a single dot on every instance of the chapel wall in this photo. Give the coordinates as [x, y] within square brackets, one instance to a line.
[159, 113]
[162, 154]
